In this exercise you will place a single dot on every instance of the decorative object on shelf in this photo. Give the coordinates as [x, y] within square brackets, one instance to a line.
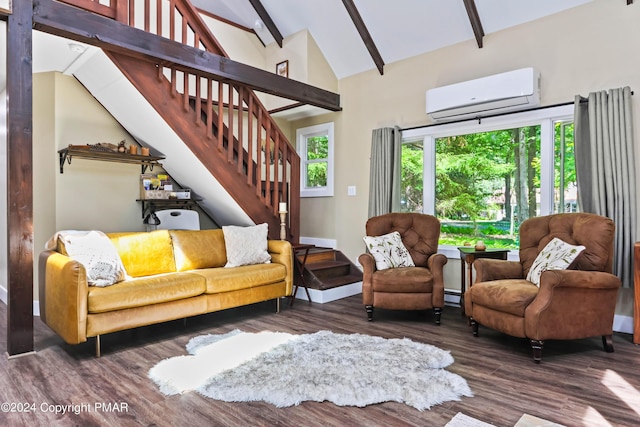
[282, 210]
[102, 147]
[282, 68]
[145, 151]
[160, 187]
[121, 147]
[133, 149]
[480, 246]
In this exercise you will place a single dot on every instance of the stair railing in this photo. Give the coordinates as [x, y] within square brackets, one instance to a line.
[236, 121]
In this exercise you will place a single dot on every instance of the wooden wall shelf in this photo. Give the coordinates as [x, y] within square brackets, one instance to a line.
[151, 205]
[66, 154]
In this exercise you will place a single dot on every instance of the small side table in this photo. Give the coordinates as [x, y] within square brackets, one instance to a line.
[298, 267]
[468, 254]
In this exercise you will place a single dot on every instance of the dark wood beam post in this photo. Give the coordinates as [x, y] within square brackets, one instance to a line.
[364, 33]
[266, 18]
[20, 179]
[476, 24]
[67, 21]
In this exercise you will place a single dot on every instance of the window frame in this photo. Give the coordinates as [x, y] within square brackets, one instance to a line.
[544, 117]
[302, 134]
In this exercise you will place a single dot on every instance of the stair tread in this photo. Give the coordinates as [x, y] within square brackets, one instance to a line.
[336, 282]
[321, 265]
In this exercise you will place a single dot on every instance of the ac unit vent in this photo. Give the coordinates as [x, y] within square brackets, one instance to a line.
[500, 93]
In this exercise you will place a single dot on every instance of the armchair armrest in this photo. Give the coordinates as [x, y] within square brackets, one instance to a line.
[368, 264]
[496, 269]
[436, 263]
[282, 253]
[63, 291]
[572, 304]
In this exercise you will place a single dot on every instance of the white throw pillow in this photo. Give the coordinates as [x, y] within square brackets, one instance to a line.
[557, 255]
[96, 252]
[246, 245]
[388, 251]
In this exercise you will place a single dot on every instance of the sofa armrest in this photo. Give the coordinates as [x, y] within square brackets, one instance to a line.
[282, 253]
[63, 291]
[496, 269]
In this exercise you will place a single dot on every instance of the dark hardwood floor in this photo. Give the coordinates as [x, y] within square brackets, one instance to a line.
[577, 384]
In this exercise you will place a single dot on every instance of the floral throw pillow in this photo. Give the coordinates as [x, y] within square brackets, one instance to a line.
[557, 255]
[388, 251]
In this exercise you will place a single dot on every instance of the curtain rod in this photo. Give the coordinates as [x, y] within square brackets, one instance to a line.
[562, 104]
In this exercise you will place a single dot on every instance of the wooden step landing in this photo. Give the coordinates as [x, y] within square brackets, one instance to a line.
[329, 268]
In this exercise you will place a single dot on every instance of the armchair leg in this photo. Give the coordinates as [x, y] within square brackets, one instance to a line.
[607, 342]
[536, 346]
[437, 314]
[369, 309]
[474, 326]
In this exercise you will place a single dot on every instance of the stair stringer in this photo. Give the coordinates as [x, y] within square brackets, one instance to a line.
[104, 80]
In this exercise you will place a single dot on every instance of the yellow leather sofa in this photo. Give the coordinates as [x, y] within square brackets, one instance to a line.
[173, 274]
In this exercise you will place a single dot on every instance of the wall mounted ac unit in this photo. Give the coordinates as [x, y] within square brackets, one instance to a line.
[500, 93]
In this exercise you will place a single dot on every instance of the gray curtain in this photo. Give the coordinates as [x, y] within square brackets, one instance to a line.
[384, 178]
[605, 168]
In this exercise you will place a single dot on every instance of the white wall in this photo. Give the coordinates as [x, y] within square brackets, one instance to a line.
[89, 194]
[588, 48]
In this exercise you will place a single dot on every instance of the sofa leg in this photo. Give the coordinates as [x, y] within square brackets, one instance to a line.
[607, 342]
[277, 305]
[437, 314]
[474, 326]
[369, 309]
[536, 346]
[97, 345]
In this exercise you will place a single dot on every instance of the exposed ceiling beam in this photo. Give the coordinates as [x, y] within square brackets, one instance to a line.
[472, 11]
[266, 19]
[364, 33]
[76, 24]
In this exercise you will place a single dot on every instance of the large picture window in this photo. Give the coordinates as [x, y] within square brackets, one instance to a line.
[483, 179]
[315, 148]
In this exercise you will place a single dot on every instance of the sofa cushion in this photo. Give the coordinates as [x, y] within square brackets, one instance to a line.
[243, 277]
[408, 279]
[508, 295]
[145, 254]
[144, 291]
[195, 249]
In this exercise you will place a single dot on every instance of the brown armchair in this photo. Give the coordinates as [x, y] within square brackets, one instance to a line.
[407, 288]
[575, 303]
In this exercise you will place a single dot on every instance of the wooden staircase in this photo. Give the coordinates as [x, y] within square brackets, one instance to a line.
[223, 122]
[329, 268]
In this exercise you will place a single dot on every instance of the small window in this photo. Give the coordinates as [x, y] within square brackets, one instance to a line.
[315, 148]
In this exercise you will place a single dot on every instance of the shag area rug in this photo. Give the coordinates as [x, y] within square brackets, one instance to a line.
[285, 370]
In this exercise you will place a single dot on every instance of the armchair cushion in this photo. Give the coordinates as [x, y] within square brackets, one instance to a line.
[556, 255]
[511, 296]
[388, 251]
[410, 279]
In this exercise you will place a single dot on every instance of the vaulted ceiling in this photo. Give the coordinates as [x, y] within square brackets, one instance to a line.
[398, 29]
